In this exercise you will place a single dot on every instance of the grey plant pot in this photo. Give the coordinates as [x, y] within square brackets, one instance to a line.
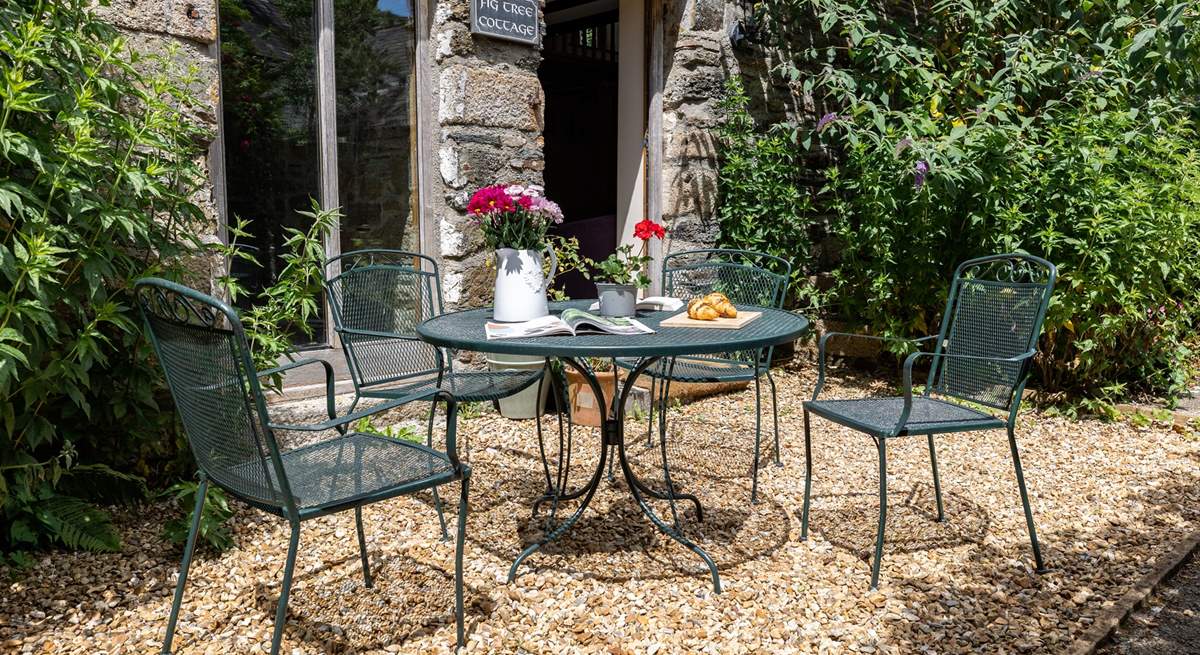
[617, 299]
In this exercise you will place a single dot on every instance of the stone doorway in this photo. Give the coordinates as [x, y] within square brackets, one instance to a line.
[579, 77]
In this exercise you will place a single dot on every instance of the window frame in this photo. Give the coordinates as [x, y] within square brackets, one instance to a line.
[325, 86]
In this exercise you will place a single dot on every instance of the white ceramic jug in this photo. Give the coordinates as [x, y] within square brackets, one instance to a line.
[521, 285]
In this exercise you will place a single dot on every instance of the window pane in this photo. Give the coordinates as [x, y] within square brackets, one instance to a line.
[374, 44]
[268, 66]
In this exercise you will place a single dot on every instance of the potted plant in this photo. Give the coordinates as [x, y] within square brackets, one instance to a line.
[619, 276]
[586, 409]
[513, 220]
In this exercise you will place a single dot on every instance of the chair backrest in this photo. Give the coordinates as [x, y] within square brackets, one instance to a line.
[203, 352]
[995, 309]
[744, 276]
[384, 291]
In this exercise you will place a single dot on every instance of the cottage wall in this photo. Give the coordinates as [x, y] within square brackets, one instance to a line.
[699, 59]
[489, 109]
[190, 26]
[485, 113]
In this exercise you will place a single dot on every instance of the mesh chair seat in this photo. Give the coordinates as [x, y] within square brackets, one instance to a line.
[341, 472]
[467, 386]
[696, 369]
[878, 416]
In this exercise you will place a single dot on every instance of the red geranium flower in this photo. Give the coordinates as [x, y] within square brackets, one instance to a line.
[647, 229]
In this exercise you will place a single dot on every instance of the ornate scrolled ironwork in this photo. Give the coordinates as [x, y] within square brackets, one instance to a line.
[180, 306]
[1012, 269]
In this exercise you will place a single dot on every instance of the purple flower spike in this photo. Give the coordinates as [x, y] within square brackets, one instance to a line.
[826, 120]
[919, 174]
[903, 145]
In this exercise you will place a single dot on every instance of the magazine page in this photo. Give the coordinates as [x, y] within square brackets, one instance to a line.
[582, 322]
[538, 327]
[650, 304]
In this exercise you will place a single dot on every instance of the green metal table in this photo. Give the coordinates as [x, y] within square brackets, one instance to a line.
[464, 330]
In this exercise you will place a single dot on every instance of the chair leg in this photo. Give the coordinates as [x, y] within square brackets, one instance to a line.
[201, 493]
[757, 439]
[458, 559]
[650, 420]
[937, 481]
[437, 501]
[612, 450]
[882, 512]
[775, 417]
[807, 477]
[285, 589]
[362, 548]
[1033, 540]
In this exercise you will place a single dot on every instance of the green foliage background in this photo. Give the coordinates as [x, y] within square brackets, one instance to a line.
[98, 164]
[1062, 129]
[99, 169]
[761, 205]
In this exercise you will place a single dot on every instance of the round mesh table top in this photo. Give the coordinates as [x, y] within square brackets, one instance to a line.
[464, 331]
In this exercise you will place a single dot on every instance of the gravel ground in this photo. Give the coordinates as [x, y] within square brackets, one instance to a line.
[1169, 623]
[1108, 500]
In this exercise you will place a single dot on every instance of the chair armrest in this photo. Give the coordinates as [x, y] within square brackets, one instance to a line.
[338, 421]
[377, 334]
[329, 381]
[825, 338]
[912, 358]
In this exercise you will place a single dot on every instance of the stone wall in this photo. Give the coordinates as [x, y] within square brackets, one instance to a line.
[487, 115]
[698, 59]
[190, 28]
[489, 107]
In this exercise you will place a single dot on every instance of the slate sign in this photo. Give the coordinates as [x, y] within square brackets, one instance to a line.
[511, 20]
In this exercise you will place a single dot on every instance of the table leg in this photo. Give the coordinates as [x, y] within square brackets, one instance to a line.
[636, 486]
[613, 432]
[587, 491]
[555, 492]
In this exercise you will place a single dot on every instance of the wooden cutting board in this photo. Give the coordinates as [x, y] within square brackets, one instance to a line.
[682, 320]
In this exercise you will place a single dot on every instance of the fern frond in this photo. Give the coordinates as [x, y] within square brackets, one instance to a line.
[102, 484]
[78, 524]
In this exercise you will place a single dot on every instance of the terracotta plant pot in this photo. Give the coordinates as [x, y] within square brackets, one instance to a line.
[585, 407]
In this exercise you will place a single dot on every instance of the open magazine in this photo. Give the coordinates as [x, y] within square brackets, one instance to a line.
[650, 304]
[570, 321]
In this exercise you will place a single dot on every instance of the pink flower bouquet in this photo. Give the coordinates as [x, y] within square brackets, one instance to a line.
[514, 216]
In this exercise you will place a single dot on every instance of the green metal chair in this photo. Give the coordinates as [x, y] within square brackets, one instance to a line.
[746, 278]
[204, 353]
[377, 298]
[982, 355]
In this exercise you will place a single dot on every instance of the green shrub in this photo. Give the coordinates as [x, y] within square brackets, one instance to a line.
[1064, 130]
[286, 307]
[213, 529]
[760, 206]
[98, 165]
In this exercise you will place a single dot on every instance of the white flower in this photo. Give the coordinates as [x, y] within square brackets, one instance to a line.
[515, 190]
[534, 190]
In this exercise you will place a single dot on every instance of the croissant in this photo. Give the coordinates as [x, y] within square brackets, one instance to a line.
[721, 303]
[700, 310]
